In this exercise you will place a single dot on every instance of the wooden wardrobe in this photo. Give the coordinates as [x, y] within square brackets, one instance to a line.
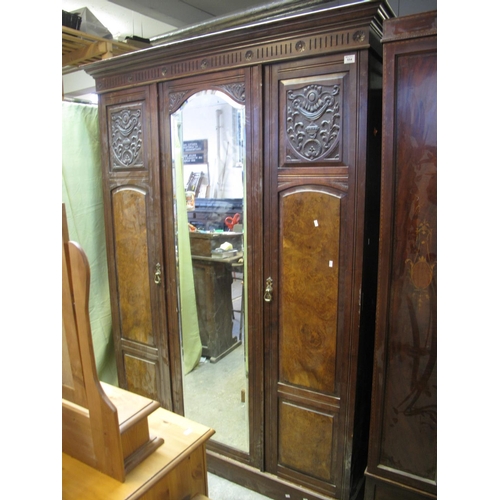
[310, 81]
[403, 450]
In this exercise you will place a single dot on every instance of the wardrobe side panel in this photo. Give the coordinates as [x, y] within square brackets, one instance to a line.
[403, 433]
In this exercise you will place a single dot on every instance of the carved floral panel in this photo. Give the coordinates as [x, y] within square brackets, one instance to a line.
[313, 122]
[126, 137]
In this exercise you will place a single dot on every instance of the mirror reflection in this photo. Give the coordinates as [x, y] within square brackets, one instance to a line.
[209, 178]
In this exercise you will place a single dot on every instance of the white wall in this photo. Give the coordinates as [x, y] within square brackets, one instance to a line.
[209, 116]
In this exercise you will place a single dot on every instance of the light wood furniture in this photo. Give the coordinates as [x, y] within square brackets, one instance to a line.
[402, 460]
[79, 48]
[175, 471]
[310, 82]
[107, 449]
[102, 426]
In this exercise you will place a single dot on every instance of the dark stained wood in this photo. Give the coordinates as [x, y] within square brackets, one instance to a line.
[389, 491]
[316, 180]
[333, 29]
[133, 238]
[403, 454]
[256, 250]
[310, 168]
[267, 484]
[212, 282]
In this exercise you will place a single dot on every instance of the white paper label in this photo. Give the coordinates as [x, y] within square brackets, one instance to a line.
[350, 59]
[316, 223]
[330, 263]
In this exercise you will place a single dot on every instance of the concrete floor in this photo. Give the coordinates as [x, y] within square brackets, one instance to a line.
[213, 397]
[213, 391]
[220, 489]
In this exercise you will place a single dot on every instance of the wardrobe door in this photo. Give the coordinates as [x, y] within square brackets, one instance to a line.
[313, 246]
[402, 462]
[133, 232]
[213, 300]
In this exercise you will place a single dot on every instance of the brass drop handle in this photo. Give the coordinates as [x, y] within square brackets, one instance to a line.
[158, 274]
[268, 292]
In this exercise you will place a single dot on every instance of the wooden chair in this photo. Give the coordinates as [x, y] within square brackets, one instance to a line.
[102, 426]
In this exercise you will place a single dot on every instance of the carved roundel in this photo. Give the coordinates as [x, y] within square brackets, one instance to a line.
[300, 46]
[359, 36]
[313, 117]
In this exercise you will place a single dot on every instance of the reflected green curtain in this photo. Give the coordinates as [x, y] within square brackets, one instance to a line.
[191, 342]
[82, 196]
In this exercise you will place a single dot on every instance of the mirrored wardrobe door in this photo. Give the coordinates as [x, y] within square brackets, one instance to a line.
[208, 170]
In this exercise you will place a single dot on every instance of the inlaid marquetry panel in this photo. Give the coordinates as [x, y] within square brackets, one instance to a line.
[312, 114]
[309, 282]
[126, 137]
[132, 265]
[141, 376]
[410, 409]
[300, 429]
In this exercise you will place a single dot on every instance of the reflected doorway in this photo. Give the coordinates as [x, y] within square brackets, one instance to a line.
[208, 140]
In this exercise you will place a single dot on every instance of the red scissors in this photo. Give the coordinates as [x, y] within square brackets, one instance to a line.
[231, 221]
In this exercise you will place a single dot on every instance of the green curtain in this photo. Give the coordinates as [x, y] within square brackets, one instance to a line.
[191, 342]
[82, 196]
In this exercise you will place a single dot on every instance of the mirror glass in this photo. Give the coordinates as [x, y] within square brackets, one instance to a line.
[208, 140]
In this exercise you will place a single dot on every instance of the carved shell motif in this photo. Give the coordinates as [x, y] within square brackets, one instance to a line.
[126, 131]
[313, 122]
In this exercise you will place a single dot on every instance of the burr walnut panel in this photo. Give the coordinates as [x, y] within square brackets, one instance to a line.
[132, 266]
[310, 226]
[141, 376]
[300, 425]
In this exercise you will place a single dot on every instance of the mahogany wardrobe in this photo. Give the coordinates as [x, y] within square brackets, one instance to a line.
[304, 85]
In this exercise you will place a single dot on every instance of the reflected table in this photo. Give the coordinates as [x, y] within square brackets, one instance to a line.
[213, 278]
